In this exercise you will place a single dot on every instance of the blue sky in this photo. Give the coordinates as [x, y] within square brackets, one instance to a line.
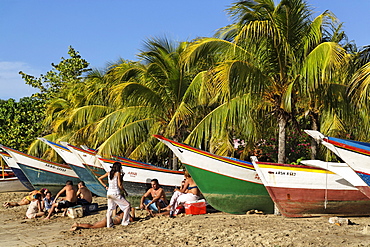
[38, 33]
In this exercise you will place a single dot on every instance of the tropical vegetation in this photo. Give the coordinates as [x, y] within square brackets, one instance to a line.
[275, 70]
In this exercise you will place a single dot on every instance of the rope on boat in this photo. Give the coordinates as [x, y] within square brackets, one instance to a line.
[326, 185]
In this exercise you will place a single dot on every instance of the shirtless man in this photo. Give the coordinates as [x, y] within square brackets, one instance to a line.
[69, 201]
[84, 195]
[158, 201]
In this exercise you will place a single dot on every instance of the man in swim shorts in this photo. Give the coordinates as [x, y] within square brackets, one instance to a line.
[158, 200]
[69, 201]
[84, 195]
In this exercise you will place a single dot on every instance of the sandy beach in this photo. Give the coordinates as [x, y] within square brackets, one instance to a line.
[212, 229]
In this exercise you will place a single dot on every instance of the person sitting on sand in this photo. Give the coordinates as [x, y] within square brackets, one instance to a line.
[189, 192]
[25, 200]
[158, 196]
[48, 201]
[69, 201]
[35, 209]
[84, 195]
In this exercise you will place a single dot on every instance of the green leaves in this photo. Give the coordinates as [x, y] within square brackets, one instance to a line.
[20, 122]
[68, 71]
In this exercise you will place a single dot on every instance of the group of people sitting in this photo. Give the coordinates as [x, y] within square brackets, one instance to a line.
[41, 202]
[154, 200]
[158, 204]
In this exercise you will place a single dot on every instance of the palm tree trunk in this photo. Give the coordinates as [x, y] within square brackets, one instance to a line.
[314, 144]
[175, 163]
[282, 137]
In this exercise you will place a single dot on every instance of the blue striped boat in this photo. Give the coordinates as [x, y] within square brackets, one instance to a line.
[68, 154]
[43, 173]
[17, 170]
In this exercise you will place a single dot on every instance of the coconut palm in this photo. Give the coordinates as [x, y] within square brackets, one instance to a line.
[266, 57]
[146, 98]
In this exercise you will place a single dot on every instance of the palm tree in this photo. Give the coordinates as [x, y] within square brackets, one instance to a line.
[133, 101]
[264, 59]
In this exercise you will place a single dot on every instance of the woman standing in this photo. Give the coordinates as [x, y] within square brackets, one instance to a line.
[114, 194]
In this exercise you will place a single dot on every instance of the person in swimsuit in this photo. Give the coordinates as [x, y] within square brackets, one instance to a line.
[114, 194]
[117, 219]
[26, 200]
[35, 208]
[69, 201]
[158, 198]
[188, 192]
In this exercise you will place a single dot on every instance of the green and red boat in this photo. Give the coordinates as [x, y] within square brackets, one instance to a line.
[229, 185]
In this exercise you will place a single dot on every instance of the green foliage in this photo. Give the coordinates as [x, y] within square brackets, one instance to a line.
[20, 122]
[68, 71]
[298, 146]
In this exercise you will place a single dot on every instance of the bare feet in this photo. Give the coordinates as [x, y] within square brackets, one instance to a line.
[6, 204]
[74, 227]
[151, 213]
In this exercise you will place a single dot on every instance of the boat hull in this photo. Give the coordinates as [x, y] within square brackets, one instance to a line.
[294, 202]
[229, 185]
[76, 163]
[356, 154]
[12, 184]
[42, 173]
[230, 195]
[46, 179]
[91, 181]
[303, 191]
[17, 170]
[137, 178]
[22, 178]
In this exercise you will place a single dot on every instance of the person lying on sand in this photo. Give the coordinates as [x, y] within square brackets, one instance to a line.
[25, 200]
[117, 220]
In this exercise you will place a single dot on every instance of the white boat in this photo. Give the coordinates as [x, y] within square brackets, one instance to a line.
[138, 176]
[343, 170]
[9, 182]
[43, 173]
[305, 191]
[17, 170]
[228, 184]
[74, 160]
[354, 153]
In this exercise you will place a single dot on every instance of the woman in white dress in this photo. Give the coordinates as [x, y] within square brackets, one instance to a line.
[114, 194]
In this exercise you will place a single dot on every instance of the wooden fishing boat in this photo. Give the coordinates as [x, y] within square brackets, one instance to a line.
[17, 170]
[9, 182]
[343, 170]
[138, 176]
[42, 173]
[304, 191]
[71, 155]
[229, 185]
[356, 154]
